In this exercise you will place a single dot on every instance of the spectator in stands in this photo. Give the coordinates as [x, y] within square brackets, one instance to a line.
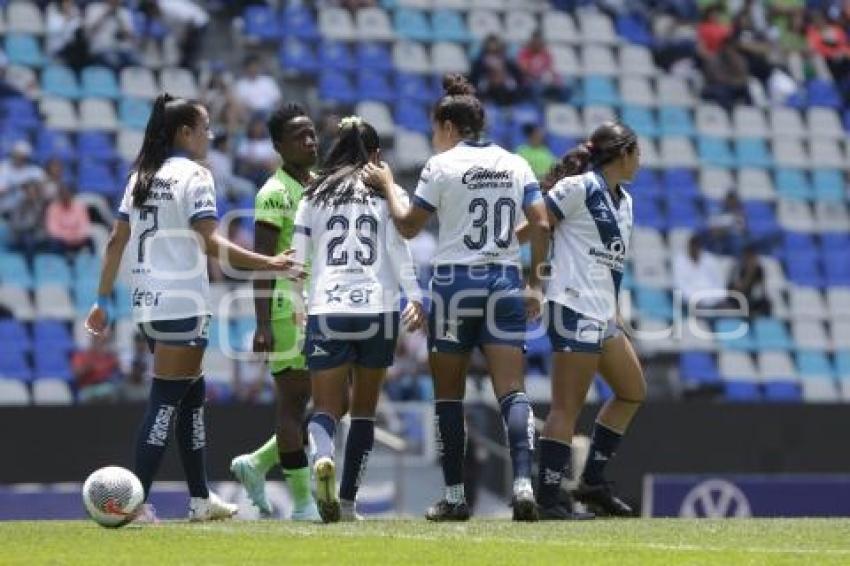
[257, 91]
[135, 387]
[747, 278]
[712, 29]
[221, 166]
[829, 40]
[219, 98]
[67, 222]
[187, 22]
[27, 222]
[727, 76]
[727, 229]
[256, 157]
[698, 275]
[755, 45]
[65, 38]
[535, 150]
[496, 78]
[55, 176]
[14, 173]
[95, 370]
[112, 38]
[535, 61]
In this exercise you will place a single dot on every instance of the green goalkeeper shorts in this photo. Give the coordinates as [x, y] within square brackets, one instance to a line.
[287, 348]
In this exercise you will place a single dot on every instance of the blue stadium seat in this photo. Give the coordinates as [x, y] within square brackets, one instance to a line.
[741, 391]
[600, 90]
[412, 24]
[634, 29]
[823, 93]
[679, 183]
[100, 82]
[373, 85]
[23, 50]
[834, 242]
[52, 335]
[14, 270]
[133, 113]
[53, 143]
[58, 80]
[837, 269]
[715, 151]
[798, 244]
[814, 364]
[751, 152]
[828, 185]
[13, 365]
[51, 268]
[649, 214]
[96, 145]
[374, 56]
[842, 364]
[335, 55]
[641, 120]
[20, 112]
[675, 121]
[684, 213]
[415, 87]
[13, 337]
[698, 368]
[804, 270]
[97, 177]
[413, 116]
[761, 219]
[336, 87]
[261, 23]
[449, 26]
[771, 334]
[298, 56]
[792, 184]
[645, 184]
[654, 303]
[559, 145]
[53, 363]
[728, 331]
[297, 20]
[782, 391]
[85, 294]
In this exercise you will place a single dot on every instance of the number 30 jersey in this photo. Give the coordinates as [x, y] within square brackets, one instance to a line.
[166, 263]
[358, 260]
[478, 191]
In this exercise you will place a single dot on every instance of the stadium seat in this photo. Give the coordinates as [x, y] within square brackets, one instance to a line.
[654, 303]
[15, 298]
[411, 57]
[13, 392]
[565, 61]
[50, 391]
[13, 365]
[828, 185]
[675, 121]
[59, 114]
[98, 114]
[134, 113]
[600, 90]
[842, 364]
[810, 335]
[14, 270]
[786, 123]
[53, 302]
[97, 177]
[51, 269]
[179, 82]
[715, 151]
[20, 111]
[749, 122]
[652, 271]
[715, 182]
[752, 152]
[449, 58]
[793, 184]
[24, 50]
[412, 25]
[790, 153]
[824, 123]
[336, 24]
[831, 217]
[637, 60]
[450, 26]
[678, 152]
[24, 17]
[374, 57]
[596, 27]
[336, 87]
[58, 80]
[100, 82]
[641, 120]
[412, 116]
[53, 363]
[637, 90]
[712, 120]
[373, 24]
[793, 215]
[822, 93]
[594, 115]
[807, 304]
[632, 28]
[378, 115]
[261, 23]
[698, 369]
[839, 331]
[96, 145]
[138, 82]
[598, 60]
[412, 148]
[414, 87]
[298, 57]
[737, 366]
[298, 21]
[373, 85]
[13, 336]
[734, 334]
[771, 334]
[335, 56]
[755, 184]
[52, 335]
[563, 120]
[838, 302]
[128, 144]
[520, 25]
[559, 27]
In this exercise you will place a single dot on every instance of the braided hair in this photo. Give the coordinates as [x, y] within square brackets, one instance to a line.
[168, 115]
[607, 143]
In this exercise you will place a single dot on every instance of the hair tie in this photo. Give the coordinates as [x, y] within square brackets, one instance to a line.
[350, 121]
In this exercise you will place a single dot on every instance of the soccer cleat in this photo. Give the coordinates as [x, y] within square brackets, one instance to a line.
[325, 471]
[445, 511]
[146, 514]
[309, 513]
[561, 512]
[253, 481]
[212, 508]
[348, 512]
[524, 506]
[601, 500]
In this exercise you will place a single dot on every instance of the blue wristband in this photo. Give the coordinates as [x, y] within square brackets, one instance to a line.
[105, 302]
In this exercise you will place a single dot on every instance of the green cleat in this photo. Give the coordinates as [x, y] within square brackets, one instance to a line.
[253, 481]
[308, 514]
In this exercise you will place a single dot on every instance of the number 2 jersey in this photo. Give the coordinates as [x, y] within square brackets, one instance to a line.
[167, 265]
[478, 191]
[358, 259]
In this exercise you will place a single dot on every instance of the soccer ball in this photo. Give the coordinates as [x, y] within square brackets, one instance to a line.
[112, 496]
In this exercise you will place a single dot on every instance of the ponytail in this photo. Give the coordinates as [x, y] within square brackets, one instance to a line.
[350, 153]
[460, 106]
[608, 142]
[168, 114]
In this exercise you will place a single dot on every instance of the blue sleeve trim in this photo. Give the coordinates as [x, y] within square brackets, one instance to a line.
[203, 215]
[422, 203]
[550, 204]
[123, 216]
[303, 230]
[531, 194]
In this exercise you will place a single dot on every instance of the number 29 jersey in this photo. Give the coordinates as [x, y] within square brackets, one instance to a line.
[357, 258]
[166, 263]
[478, 191]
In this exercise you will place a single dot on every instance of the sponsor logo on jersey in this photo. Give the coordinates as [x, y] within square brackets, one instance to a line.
[204, 203]
[613, 256]
[353, 295]
[477, 177]
[142, 298]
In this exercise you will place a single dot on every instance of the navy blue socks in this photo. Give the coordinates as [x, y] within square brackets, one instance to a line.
[451, 440]
[519, 424]
[554, 462]
[603, 445]
[358, 446]
[192, 438]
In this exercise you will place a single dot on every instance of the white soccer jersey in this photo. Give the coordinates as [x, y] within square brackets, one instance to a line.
[591, 241]
[358, 260]
[479, 192]
[167, 266]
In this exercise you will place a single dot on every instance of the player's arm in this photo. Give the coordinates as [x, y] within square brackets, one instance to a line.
[402, 261]
[98, 318]
[538, 235]
[217, 246]
[265, 240]
[409, 220]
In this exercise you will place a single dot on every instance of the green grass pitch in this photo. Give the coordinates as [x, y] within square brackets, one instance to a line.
[486, 542]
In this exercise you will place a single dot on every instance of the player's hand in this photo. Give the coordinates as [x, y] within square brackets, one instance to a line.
[533, 302]
[97, 321]
[380, 177]
[414, 316]
[263, 340]
[285, 263]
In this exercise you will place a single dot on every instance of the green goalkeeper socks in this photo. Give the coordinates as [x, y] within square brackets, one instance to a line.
[266, 456]
[299, 486]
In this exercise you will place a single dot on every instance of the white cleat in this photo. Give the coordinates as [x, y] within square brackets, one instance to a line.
[325, 472]
[348, 512]
[146, 515]
[211, 509]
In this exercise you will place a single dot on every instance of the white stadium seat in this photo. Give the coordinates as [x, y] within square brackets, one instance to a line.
[755, 184]
[17, 301]
[652, 271]
[712, 120]
[678, 239]
[636, 90]
[838, 302]
[451, 4]
[411, 57]
[840, 332]
[412, 149]
[776, 366]
[13, 393]
[498, 5]
[826, 153]
[373, 24]
[520, 25]
[129, 143]
[598, 60]
[449, 58]
[678, 152]
[749, 122]
[98, 114]
[559, 27]
[795, 215]
[736, 366]
[831, 217]
[50, 391]
[674, 91]
[715, 182]
[379, 115]
[596, 27]
[594, 116]
[786, 123]
[563, 120]
[138, 82]
[695, 335]
[809, 335]
[417, 4]
[565, 61]
[24, 17]
[774, 275]
[337, 24]
[59, 114]
[648, 152]
[53, 301]
[806, 304]
[788, 152]
[179, 82]
[636, 60]
[824, 123]
[819, 391]
[483, 23]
